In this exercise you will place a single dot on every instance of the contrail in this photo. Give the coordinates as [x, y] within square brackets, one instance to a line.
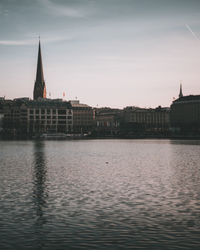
[192, 32]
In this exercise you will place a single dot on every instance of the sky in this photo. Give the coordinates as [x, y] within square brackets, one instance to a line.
[105, 53]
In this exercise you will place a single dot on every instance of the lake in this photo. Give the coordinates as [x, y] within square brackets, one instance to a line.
[100, 194]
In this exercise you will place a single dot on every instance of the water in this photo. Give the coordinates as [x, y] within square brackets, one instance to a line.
[100, 194]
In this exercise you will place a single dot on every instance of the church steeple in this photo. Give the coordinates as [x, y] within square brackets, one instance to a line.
[39, 88]
[181, 92]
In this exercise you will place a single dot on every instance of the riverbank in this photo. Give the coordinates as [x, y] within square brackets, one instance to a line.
[167, 137]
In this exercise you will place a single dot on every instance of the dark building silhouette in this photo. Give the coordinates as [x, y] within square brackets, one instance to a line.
[2, 101]
[185, 114]
[39, 88]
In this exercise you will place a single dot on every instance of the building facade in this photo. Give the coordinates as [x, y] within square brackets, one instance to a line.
[27, 117]
[2, 101]
[83, 117]
[107, 121]
[142, 120]
[185, 115]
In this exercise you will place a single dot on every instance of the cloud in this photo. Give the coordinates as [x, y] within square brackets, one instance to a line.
[16, 42]
[63, 10]
[32, 41]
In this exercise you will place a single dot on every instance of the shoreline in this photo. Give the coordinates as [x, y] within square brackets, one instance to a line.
[175, 137]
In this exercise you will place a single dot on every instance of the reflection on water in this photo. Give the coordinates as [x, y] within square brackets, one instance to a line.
[100, 194]
[39, 190]
[185, 142]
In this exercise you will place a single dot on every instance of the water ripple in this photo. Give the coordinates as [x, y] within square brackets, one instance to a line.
[100, 194]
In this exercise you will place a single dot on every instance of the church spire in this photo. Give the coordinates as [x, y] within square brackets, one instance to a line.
[39, 88]
[181, 92]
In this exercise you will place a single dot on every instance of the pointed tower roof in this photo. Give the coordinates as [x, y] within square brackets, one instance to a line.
[181, 92]
[39, 74]
[39, 88]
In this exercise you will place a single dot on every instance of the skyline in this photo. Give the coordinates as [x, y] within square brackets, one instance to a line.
[107, 53]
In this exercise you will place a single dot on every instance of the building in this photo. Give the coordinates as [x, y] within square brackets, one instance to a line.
[132, 121]
[83, 117]
[39, 87]
[107, 121]
[185, 114]
[2, 101]
[145, 121]
[23, 116]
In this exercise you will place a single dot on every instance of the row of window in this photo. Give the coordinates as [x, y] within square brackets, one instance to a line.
[50, 111]
[147, 118]
[51, 127]
[83, 123]
[43, 117]
[54, 122]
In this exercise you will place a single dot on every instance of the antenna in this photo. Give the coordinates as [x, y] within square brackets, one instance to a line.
[181, 92]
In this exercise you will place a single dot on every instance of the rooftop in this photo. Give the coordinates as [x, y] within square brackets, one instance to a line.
[77, 104]
[39, 103]
[188, 98]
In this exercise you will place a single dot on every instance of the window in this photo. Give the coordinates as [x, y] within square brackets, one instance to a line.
[61, 122]
[62, 112]
[61, 117]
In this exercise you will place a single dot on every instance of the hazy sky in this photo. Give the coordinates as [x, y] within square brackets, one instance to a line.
[108, 52]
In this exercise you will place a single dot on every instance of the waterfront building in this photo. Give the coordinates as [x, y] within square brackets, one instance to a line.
[39, 87]
[185, 114]
[2, 100]
[41, 115]
[83, 117]
[31, 117]
[23, 116]
[143, 120]
[107, 121]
